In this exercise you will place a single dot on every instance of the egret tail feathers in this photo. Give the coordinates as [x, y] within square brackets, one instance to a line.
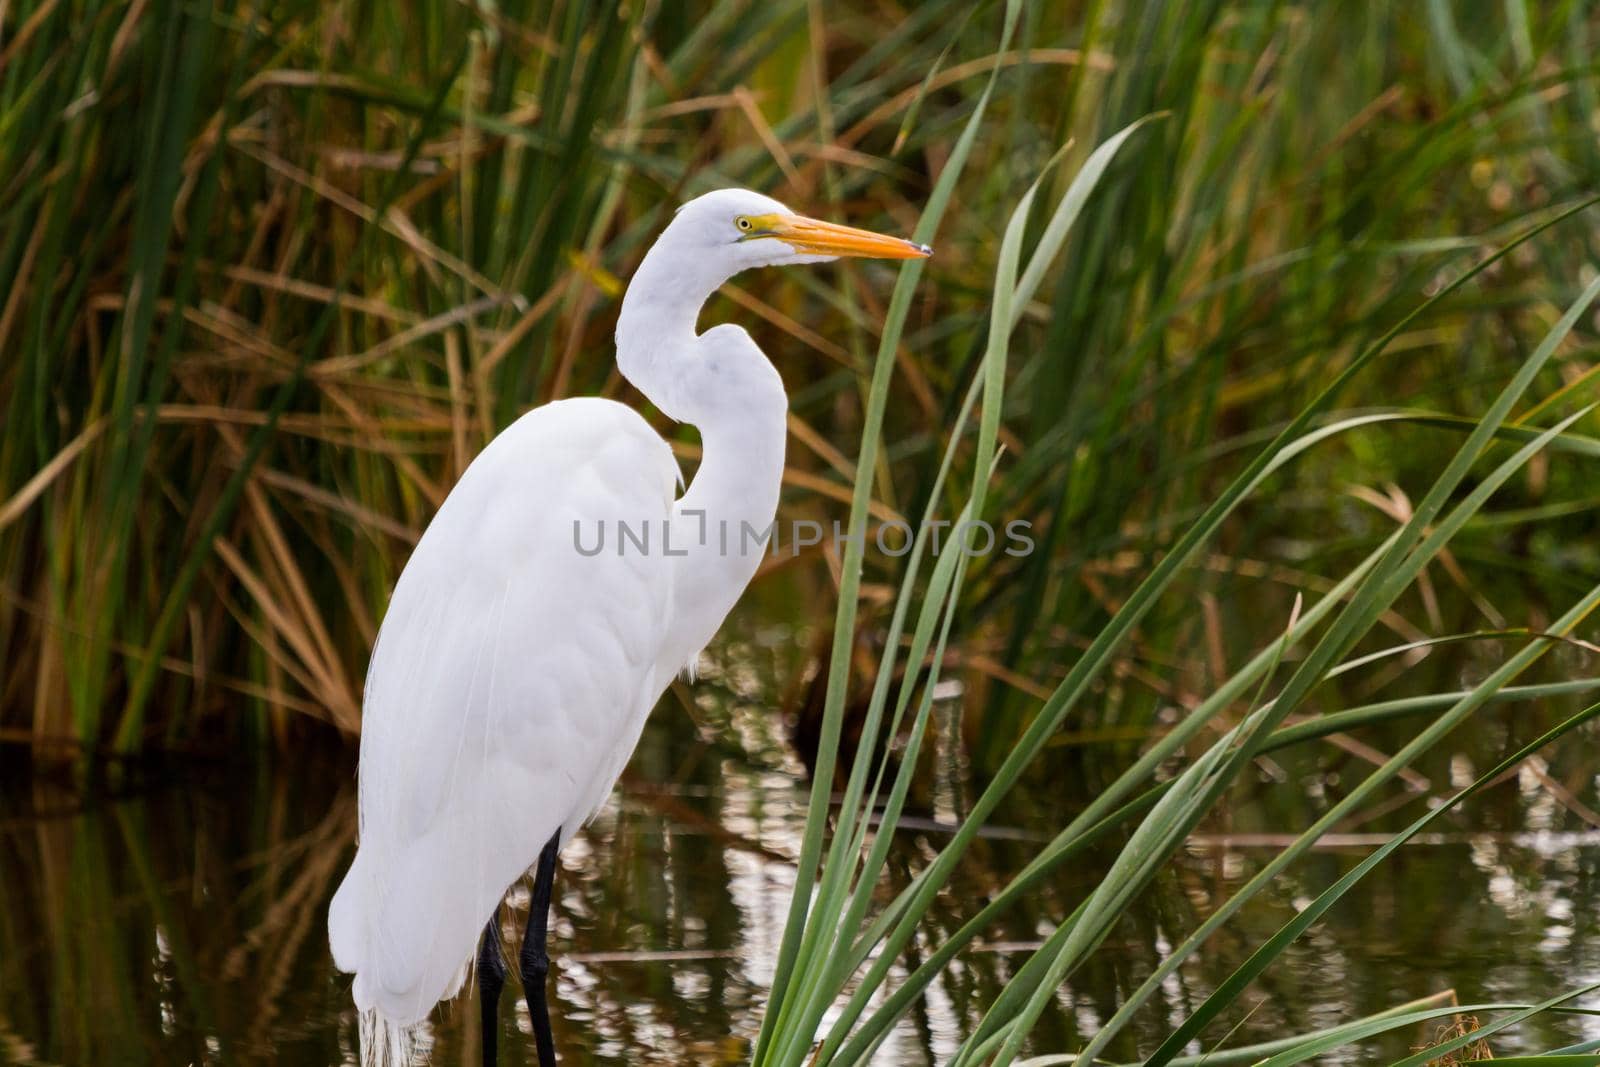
[385, 1043]
[407, 920]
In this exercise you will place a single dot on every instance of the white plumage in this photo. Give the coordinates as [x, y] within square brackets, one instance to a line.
[515, 666]
[510, 681]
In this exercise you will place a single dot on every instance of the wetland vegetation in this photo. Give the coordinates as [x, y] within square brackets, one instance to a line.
[1276, 321]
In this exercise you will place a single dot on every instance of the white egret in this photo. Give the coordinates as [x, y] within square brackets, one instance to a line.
[515, 665]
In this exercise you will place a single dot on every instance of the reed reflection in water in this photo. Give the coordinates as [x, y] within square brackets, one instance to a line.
[184, 922]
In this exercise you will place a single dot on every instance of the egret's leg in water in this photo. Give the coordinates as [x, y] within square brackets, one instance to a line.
[491, 979]
[535, 960]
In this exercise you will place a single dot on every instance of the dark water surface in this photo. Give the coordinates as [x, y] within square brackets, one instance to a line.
[184, 923]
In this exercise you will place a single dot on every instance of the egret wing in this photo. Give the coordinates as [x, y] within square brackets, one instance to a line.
[511, 677]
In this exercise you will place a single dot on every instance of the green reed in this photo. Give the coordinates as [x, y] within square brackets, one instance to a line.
[1232, 301]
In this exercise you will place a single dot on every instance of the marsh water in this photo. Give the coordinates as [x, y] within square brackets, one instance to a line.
[180, 920]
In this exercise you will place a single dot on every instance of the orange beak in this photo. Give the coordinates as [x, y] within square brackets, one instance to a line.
[816, 237]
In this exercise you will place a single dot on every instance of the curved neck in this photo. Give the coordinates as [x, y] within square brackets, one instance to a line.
[721, 383]
[656, 329]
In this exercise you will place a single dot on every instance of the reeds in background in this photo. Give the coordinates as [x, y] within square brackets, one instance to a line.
[1275, 320]
[272, 275]
[835, 996]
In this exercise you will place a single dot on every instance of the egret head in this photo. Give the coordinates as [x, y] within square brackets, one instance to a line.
[710, 239]
[742, 229]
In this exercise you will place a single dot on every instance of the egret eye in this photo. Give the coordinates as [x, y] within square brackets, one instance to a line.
[744, 224]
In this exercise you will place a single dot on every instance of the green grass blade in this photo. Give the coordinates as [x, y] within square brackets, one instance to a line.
[850, 576]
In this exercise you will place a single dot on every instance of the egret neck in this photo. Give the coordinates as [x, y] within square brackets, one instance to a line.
[721, 383]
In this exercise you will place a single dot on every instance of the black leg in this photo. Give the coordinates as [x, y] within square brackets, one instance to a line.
[535, 960]
[491, 979]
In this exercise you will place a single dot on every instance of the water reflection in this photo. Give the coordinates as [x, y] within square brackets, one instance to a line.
[184, 923]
